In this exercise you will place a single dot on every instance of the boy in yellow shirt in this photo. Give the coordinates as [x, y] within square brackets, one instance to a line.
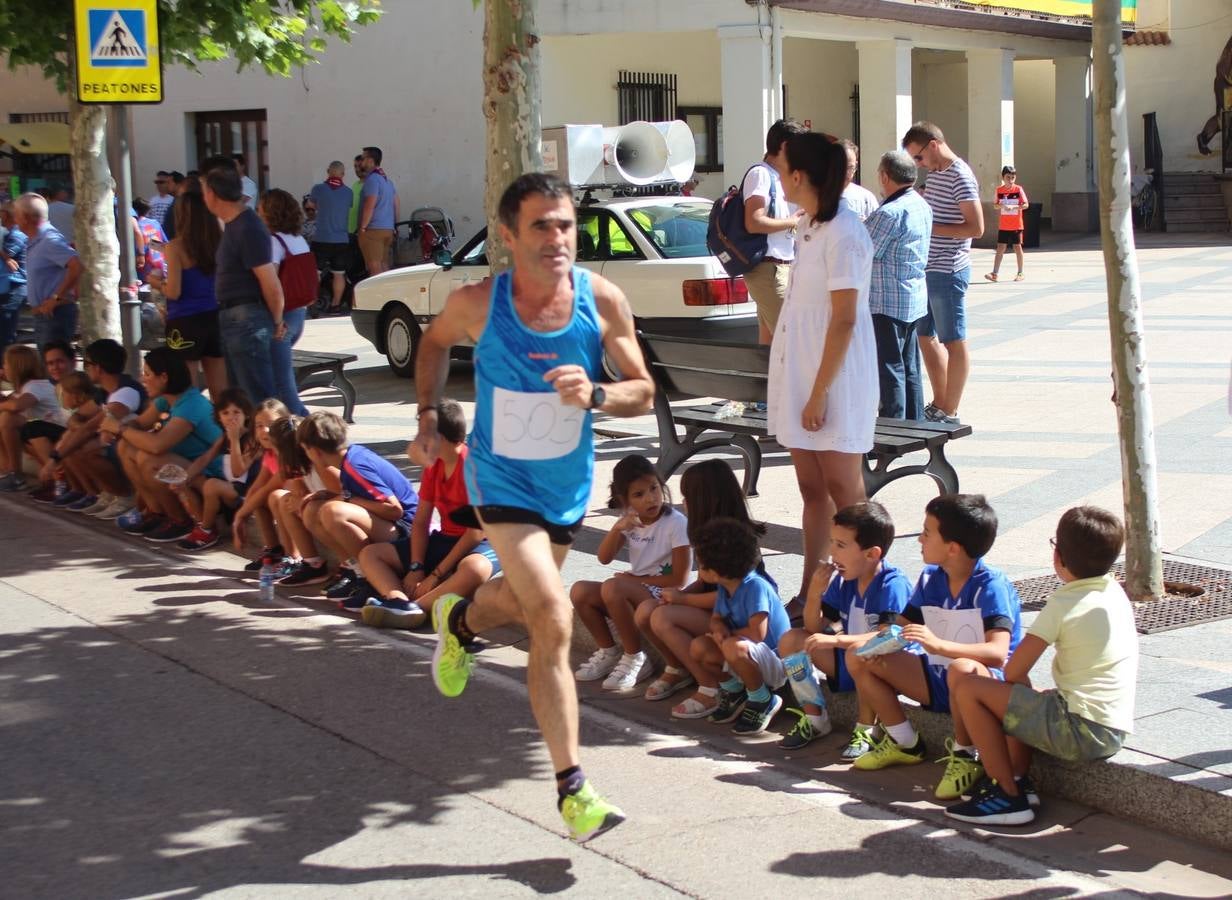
[1087, 717]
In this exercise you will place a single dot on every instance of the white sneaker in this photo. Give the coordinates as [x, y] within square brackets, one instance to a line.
[600, 663]
[103, 501]
[628, 672]
[118, 507]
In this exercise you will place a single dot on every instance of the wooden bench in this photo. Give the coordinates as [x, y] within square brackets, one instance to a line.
[317, 369]
[684, 368]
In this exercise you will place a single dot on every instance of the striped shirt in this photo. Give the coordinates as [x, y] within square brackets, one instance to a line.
[944, 190]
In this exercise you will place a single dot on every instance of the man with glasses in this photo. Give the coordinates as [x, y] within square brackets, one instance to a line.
[954, 195]
[162, 202]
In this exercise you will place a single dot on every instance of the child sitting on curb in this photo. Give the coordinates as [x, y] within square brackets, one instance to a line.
[861, 592]
[966, 617]
[408, 575]
[1087, 717]
[748, 621]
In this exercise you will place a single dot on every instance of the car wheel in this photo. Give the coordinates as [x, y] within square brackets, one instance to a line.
[401, 341]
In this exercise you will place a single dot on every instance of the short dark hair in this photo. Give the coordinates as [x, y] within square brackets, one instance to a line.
[58, 344]
[780, 131]
[165, 361]
[965, 519]
[140, 207]
[236, 397]
[921, 133]
[217, 161]
[177, 177]
[871, 522]
[727, 547]
[108, 355]
[1089, 540]
[358, 157]
[161, 173]
[450, 421]
[324, 431]
[541, 183]
[240, 158]
[824, 164]
[225, 182]
[375, 153]
[1008, 170]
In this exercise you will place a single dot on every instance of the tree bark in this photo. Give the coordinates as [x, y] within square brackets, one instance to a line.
[94, 216]
[511, 92]
[1143, 556]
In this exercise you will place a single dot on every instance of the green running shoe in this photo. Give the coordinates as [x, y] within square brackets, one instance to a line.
[451, 662]
[861, 742]
[887, 753]
[587, 814]
[962, 770]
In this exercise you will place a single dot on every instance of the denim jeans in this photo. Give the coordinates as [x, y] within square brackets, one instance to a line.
[10, 310]
[247, 332]
[61, 325]
[947, 306]
[898, 368]
[284, 374]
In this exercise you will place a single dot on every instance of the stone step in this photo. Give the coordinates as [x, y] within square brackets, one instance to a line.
[1190, 227]
[1195, 201]
[1186, 216]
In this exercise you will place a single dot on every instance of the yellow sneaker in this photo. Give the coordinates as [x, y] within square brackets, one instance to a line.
[961, 771]
[451, 662]
[587, 814]
[887, 753]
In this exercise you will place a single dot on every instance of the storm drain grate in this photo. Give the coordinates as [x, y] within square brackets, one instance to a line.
[1163, 615]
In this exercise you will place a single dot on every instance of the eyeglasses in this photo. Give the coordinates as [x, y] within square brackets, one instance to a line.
[917, 157]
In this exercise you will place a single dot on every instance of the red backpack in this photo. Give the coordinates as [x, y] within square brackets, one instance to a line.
[298, 275]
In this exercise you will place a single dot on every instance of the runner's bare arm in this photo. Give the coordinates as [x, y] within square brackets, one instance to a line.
[632, 395]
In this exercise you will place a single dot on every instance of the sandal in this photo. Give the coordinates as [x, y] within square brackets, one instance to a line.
[991, 276]
[671, 681]
[692, 708]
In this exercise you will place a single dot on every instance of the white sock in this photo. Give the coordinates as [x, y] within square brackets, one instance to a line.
[817, 721]
[902, 734]
[970, 751]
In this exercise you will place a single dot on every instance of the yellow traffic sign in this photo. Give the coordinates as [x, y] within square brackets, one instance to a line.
[118, 59]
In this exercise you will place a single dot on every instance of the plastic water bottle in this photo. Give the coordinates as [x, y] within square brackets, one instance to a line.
[269, 571]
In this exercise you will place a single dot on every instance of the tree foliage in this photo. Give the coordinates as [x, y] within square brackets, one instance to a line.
[278, 35]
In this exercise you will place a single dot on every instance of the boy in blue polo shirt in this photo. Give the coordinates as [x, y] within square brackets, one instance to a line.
[965, 615]
[861, 592]
[376, 504]
[745, 628]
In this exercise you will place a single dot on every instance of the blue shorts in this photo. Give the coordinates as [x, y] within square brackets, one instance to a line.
[841, 680]
[939, 687]
[439, 545]
[947, 306]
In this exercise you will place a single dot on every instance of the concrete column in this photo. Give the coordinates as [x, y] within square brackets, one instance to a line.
[885, 102]
[990, 125]
[748, 97]
[1075, 204]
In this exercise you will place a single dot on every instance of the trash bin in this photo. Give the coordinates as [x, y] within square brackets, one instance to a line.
[1031, 225]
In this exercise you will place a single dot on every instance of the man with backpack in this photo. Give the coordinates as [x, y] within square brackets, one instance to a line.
[766, 211]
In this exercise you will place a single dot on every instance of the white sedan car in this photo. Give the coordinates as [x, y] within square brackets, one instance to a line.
[653, 248]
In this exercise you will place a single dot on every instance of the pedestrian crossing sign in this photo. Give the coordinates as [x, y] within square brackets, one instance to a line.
[118, 59]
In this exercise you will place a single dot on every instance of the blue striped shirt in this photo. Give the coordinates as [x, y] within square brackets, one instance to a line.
[900, 230]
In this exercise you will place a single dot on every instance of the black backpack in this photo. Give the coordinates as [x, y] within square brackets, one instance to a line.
[736, 248]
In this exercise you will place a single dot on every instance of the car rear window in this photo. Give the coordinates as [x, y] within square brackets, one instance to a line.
[678, 230]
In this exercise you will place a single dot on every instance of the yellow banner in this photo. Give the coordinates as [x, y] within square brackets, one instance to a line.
[1069, 8]
[118, 59]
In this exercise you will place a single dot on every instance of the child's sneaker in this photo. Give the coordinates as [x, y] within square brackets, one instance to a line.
[886, 752]
[405, 614]
[305, 574]
[452, 661]
[119, 507]
[861, 742]
[12, 483]
[600, 664]
[342, 585]
[199, 539]
[103, 501]
[169, 532]
[587, 814]
[130, 519]
[68, 498]
[1026, 787]
[730, 705]
[275, 552]
[804, 732]
[962, 770]
[756, 716]
[993, 806]
[82, 504]
[628, 671]
[45, 493]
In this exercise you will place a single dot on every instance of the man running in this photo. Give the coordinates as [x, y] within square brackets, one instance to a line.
[540, 331]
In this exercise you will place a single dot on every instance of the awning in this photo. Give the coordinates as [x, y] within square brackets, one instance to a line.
[36, 137]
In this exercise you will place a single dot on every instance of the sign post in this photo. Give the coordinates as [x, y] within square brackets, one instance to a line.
[119, 62]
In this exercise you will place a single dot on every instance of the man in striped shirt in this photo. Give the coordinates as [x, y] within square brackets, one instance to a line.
[954, 195]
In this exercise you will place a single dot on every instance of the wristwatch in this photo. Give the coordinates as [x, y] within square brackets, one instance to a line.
[598, 396]
[415, 567]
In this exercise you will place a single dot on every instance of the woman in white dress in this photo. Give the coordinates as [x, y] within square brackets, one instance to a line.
[823, 391]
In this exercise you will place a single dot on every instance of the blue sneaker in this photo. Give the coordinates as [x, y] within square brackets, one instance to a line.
[404, 614]
[889, 641]
[81, 505]
[993, 806]
[68, 498]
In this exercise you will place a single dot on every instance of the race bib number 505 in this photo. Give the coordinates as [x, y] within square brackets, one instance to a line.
[534, 425]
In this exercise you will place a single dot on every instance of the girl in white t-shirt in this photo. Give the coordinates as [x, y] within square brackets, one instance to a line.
[659, 558]
[33, 400]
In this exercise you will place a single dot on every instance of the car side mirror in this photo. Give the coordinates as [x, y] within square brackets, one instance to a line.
[443, 258]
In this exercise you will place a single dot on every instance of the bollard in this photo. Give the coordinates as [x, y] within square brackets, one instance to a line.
[130, 327]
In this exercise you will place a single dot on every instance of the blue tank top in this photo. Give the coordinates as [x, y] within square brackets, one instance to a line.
[527, 449]
[196, 295]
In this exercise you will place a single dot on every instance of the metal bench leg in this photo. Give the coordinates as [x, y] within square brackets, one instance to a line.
[940, 470]
[345, 387]
[751, 450]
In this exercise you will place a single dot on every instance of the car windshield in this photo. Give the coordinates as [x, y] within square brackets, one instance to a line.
[678, 230]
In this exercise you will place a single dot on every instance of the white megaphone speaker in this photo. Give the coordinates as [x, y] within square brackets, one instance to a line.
[639, 153]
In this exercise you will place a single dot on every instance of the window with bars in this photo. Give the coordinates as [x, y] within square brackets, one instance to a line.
[646, 97]
[15, 118]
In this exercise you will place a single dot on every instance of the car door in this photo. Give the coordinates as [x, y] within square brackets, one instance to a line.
[469, 266]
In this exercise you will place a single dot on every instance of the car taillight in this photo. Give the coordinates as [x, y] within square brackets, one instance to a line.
[715, 291]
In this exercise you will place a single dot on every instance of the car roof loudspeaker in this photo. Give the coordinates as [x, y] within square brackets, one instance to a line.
[681, 150]
[637, 151]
